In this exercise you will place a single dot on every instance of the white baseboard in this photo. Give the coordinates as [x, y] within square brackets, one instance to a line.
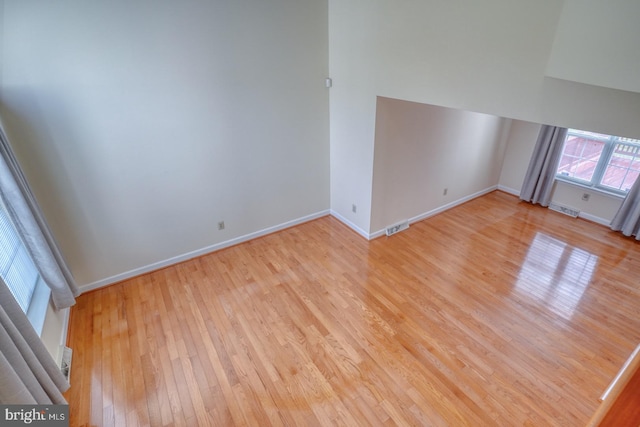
[369, 236]
[593, 218]
[509, 190]
[379, 233]
[351, 225]
[442, 208]
[199, 252]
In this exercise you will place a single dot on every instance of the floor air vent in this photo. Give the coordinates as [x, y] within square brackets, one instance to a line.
[396, 228]
[564, 209]
[65, 365]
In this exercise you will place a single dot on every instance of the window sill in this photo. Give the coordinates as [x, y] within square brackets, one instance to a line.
[38, 306]
[590, 188]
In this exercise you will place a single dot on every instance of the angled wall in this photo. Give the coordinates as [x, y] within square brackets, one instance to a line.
[596, 42]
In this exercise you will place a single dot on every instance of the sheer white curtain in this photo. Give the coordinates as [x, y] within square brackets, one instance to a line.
[627, 219]
[540, 176]
[31, 226]
[28, 374]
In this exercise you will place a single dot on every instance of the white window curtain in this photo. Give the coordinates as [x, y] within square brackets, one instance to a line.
[627, 219]
[28, 374]
[541, 174]
[31, 226]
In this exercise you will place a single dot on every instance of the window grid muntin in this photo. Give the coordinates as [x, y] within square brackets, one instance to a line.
[633, 150]
[579, 157]
[604, 160]
[16, 266]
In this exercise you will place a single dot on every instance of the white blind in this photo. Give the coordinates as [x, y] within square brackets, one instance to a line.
[16, 267]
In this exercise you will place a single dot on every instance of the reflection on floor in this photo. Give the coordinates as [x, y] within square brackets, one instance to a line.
[556, 273]
[495, 312]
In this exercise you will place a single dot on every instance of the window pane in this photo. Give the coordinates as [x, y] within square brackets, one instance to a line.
[21, 278]
[629, 180]
[580, 156]
[623, 167]
[16, 267]
[614, 177]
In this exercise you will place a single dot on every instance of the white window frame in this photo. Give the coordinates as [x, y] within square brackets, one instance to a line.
[610, 142]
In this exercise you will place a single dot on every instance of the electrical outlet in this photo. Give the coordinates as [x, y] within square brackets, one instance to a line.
[585, 197]
[221, 225]
[354, 208]
[445, 191]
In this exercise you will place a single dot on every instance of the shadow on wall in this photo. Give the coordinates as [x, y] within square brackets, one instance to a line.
[38, 150]
[427, 157]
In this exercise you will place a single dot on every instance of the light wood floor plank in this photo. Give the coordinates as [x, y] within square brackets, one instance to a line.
[495, 312]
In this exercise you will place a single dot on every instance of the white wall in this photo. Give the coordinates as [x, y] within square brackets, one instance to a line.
[422, 149]
[520, 143]
[1, 41]
[142, 124]
[487, 56]
[600, 207]
[596, 42]
[54, 331]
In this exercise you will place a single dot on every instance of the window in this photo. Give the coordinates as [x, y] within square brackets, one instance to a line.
[604, 162]
[19, 273]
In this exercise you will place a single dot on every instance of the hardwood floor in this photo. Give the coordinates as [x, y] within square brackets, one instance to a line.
[626, 410]
[495, 312]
